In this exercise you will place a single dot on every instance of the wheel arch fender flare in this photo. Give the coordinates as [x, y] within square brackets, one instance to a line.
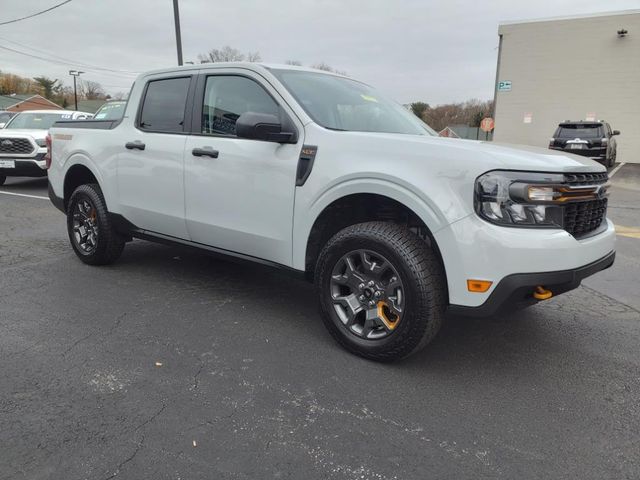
[78, 161]
[307, 213]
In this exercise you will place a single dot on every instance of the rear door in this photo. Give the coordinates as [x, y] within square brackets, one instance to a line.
[151, 162]
[239, 199]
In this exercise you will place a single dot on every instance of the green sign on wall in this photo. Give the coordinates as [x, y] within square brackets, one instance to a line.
[504, 86]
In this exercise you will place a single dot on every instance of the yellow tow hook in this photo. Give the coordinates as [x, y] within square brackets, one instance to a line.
[541, 293]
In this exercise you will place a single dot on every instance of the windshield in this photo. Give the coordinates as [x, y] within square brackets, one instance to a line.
[110, 111]
[34, 121]
[5, 116]
[580, 131]
[342, 104]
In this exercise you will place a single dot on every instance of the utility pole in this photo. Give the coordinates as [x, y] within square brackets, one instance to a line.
[176, 18]
[75, 74]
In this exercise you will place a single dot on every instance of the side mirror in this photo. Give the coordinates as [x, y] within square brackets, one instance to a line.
[615, 132]
[265, 127]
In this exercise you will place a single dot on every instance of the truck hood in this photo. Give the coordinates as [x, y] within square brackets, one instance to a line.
[479, 156]
[525, 157]
[35, 134]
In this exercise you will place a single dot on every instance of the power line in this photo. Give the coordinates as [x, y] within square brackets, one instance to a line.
[80, 64]
[104, 71]
[35, 14]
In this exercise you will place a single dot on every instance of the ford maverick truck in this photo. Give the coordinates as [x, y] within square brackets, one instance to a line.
[325, 176]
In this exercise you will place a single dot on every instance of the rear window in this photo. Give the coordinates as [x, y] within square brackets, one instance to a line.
[164, 105]
[579, 131]
[110, 111]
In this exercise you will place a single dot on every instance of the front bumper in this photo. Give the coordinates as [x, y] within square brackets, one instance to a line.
[473, 249]
[26, 167]
[516, 291]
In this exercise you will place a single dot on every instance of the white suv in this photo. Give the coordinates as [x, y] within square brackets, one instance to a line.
[326, 177]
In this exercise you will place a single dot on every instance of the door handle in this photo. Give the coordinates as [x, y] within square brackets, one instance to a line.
[204, 152]
[137, 145]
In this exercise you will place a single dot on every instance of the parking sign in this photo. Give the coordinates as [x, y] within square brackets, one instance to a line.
[504, 86]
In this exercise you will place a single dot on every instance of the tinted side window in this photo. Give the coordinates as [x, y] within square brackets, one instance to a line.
[164, 105]
[226, 97]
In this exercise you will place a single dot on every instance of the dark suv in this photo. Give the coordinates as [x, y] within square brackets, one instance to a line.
[589, 139]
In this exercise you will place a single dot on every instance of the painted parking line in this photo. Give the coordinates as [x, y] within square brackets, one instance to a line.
[23, 195]
[615, 170]
[631, 232]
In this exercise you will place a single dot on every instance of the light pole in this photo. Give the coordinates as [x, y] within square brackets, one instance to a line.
[74, 74]
[176, 19]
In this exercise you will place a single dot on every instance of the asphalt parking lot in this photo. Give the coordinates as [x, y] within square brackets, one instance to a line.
[171, 364]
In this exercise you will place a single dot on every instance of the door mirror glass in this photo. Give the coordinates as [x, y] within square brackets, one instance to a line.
[262, 126]
[616, 132]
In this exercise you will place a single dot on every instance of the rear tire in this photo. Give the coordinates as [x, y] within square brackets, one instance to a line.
[92, 236]
[396, 316]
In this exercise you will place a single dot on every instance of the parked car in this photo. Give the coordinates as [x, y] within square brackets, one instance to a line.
[5, 116]
[22, 141]
[595, 140]
[111, 110]
[323, 176]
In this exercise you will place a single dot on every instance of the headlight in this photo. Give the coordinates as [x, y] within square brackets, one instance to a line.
[524, 199]
[41, 142]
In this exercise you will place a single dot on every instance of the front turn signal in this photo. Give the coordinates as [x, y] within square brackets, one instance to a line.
[478, 286]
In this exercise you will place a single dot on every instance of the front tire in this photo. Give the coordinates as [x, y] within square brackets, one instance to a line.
[382, 290]
[3, 178]
[92, 236]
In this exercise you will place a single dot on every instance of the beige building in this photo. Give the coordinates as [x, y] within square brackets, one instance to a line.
[571, 68]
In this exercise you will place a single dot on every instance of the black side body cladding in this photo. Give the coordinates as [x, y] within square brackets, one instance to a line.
[126, 228]
[57, 201]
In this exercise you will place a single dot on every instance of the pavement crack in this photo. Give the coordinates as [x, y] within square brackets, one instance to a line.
[598, 292]
[74, 344]
[195, 377]
[151, 418]
[117, 323]
[127, 460]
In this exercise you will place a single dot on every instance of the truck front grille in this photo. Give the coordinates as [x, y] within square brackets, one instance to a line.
[582, 218]
[16, 146]
[578, 179]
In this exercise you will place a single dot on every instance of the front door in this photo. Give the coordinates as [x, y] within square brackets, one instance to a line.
[239, 193]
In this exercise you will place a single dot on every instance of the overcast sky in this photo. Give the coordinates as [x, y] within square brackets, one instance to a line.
[434, 51]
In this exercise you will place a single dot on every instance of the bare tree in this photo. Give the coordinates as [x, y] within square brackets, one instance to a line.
[327, 68]
[91, 90]
[254, 57]
[296, 63]
[120, 96]
[228, 54]
[469, 113]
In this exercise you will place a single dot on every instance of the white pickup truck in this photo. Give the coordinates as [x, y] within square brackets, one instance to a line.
[324, 176]
[23, 145]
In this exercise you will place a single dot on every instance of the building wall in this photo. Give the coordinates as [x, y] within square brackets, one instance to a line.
[34, 104]
[566, 69]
